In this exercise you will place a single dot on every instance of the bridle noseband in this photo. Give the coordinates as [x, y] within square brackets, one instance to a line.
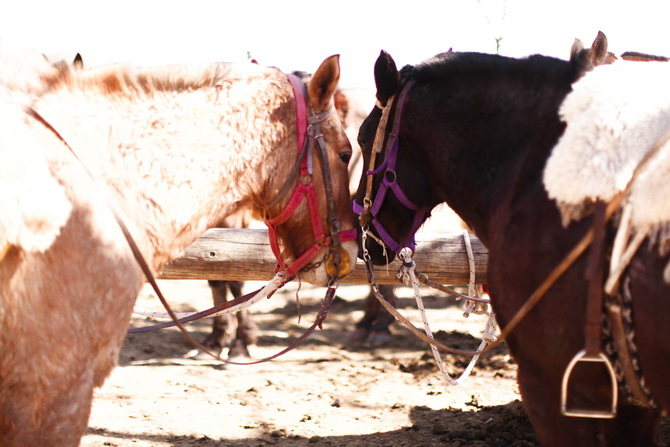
[369, 211]
[308, 129]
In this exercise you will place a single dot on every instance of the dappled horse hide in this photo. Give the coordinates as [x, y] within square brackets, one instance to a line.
[173, 150]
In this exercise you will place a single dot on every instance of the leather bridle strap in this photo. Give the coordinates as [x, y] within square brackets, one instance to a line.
[302, 174]
[594, 275]
[370, 209]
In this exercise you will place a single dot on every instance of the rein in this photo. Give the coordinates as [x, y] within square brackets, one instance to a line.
[370, 209]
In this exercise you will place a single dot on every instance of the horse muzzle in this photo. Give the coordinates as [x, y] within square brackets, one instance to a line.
[328, 270]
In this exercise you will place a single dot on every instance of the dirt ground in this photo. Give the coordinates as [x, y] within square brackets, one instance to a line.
[329, 391]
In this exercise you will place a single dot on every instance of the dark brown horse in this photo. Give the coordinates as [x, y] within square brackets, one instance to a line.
[475, 131]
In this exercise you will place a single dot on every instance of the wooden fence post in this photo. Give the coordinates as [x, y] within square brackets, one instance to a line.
[245, 255]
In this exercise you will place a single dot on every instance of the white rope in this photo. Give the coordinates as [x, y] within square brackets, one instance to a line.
[408, 276]
[274, 284]
[472, 306]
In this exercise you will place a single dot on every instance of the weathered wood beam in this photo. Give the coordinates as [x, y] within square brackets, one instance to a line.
[245, 255]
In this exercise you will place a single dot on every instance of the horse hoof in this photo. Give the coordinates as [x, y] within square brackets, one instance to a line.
[359, 334]
[237, 362]
[197, 354]
[378, 338]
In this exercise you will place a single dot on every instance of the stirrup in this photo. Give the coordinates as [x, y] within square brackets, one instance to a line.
[582, 356]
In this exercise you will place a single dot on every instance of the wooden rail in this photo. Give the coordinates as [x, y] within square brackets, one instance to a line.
[245, 255]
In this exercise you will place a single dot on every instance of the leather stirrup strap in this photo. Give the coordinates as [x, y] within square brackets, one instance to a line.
[595, 277]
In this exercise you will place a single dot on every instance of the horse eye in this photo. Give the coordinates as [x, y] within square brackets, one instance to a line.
[345, 157]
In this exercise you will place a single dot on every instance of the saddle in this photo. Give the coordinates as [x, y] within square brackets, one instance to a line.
[617, 118]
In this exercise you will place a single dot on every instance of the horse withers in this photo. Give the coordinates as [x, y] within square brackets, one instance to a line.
[476, 131]
[172, 150]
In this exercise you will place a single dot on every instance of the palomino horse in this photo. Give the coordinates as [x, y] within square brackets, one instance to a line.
[171, 151]
[476, 131]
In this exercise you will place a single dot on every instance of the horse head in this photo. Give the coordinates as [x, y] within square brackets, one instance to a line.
[380, 193]
[317, 232]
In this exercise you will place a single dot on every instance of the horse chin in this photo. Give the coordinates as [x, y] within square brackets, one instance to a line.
[379, 255]
[321, 276]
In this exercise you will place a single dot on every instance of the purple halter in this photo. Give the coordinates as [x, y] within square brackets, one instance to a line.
[389, 182]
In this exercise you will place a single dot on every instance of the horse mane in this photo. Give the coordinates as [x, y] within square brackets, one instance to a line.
[124, 80]
[480, 65]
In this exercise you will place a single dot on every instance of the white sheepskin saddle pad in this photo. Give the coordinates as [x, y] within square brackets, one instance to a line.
[615, 116]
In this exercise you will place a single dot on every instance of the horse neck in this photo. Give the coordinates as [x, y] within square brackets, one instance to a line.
[481, 150]
[178, 164]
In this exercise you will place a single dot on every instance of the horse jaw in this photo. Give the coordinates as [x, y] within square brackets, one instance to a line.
[320, 276]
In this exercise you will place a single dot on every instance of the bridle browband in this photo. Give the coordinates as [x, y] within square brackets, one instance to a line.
[369, 211]
[308, 130]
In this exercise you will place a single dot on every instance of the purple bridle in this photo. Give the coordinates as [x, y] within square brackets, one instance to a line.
[370, 209]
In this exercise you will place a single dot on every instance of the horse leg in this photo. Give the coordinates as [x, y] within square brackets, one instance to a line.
[247, 331]
[373, 328]
[220, 335]
[63, 324]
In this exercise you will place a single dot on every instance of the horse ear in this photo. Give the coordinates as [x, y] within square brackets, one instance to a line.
[576, 49]
[386, 77]
[598, 54]
[323, 83]
[78, 62]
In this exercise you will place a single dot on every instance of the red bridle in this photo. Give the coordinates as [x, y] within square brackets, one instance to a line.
[305, 190]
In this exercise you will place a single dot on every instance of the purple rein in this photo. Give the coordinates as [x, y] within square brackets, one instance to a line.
[389, 182]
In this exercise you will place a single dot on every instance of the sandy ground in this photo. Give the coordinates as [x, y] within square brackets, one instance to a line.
[327, 392]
